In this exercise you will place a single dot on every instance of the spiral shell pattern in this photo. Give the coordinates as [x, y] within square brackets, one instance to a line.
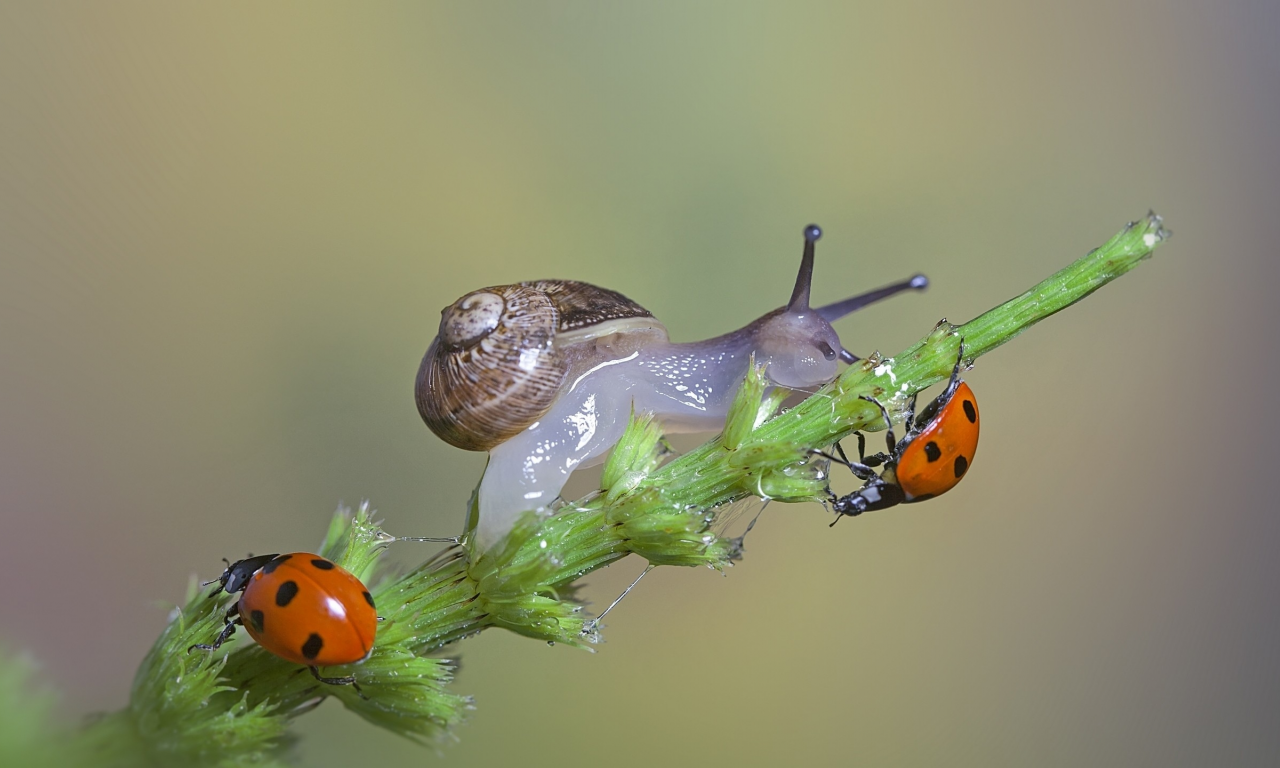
[496, 367]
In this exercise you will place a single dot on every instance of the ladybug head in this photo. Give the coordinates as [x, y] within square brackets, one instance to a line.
[236, 577]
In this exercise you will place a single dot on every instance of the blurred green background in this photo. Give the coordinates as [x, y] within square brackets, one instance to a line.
[226, 232]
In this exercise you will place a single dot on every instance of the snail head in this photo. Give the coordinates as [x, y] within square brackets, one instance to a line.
[798, 342]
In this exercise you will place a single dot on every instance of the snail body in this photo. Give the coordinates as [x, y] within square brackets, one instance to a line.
[544, 376]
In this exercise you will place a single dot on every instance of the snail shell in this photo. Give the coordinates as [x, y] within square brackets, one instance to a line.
[503, 353]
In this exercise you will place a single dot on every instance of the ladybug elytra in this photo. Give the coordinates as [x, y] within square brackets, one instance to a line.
[301, 607]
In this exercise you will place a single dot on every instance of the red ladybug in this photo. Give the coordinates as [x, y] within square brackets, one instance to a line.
[301, 607]
[930, 460]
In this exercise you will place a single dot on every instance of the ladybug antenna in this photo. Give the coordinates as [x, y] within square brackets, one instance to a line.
[220, 578]
[800, 295]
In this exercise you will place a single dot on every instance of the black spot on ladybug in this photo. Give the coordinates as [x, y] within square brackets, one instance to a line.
[311, 648]
[274, 564]
[970, 412]
[962, 465]
[286, 593]
[932, 452]
[368, 598]
[255, 618]
[322, 564]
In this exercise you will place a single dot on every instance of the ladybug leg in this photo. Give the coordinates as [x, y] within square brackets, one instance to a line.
[231, 620]
[862, 471]
[862, 448]
[910, 424]
[348, 680]
[954, 381]
[890, 439]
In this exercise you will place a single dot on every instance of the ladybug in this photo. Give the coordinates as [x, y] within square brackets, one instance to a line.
[930, 460]
[301, 607]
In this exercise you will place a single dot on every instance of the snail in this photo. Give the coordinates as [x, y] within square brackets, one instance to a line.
[544, 376]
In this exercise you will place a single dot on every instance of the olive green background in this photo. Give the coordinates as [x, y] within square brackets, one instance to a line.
[226, 231]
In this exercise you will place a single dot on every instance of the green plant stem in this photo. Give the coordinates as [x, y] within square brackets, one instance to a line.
[184, 702]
